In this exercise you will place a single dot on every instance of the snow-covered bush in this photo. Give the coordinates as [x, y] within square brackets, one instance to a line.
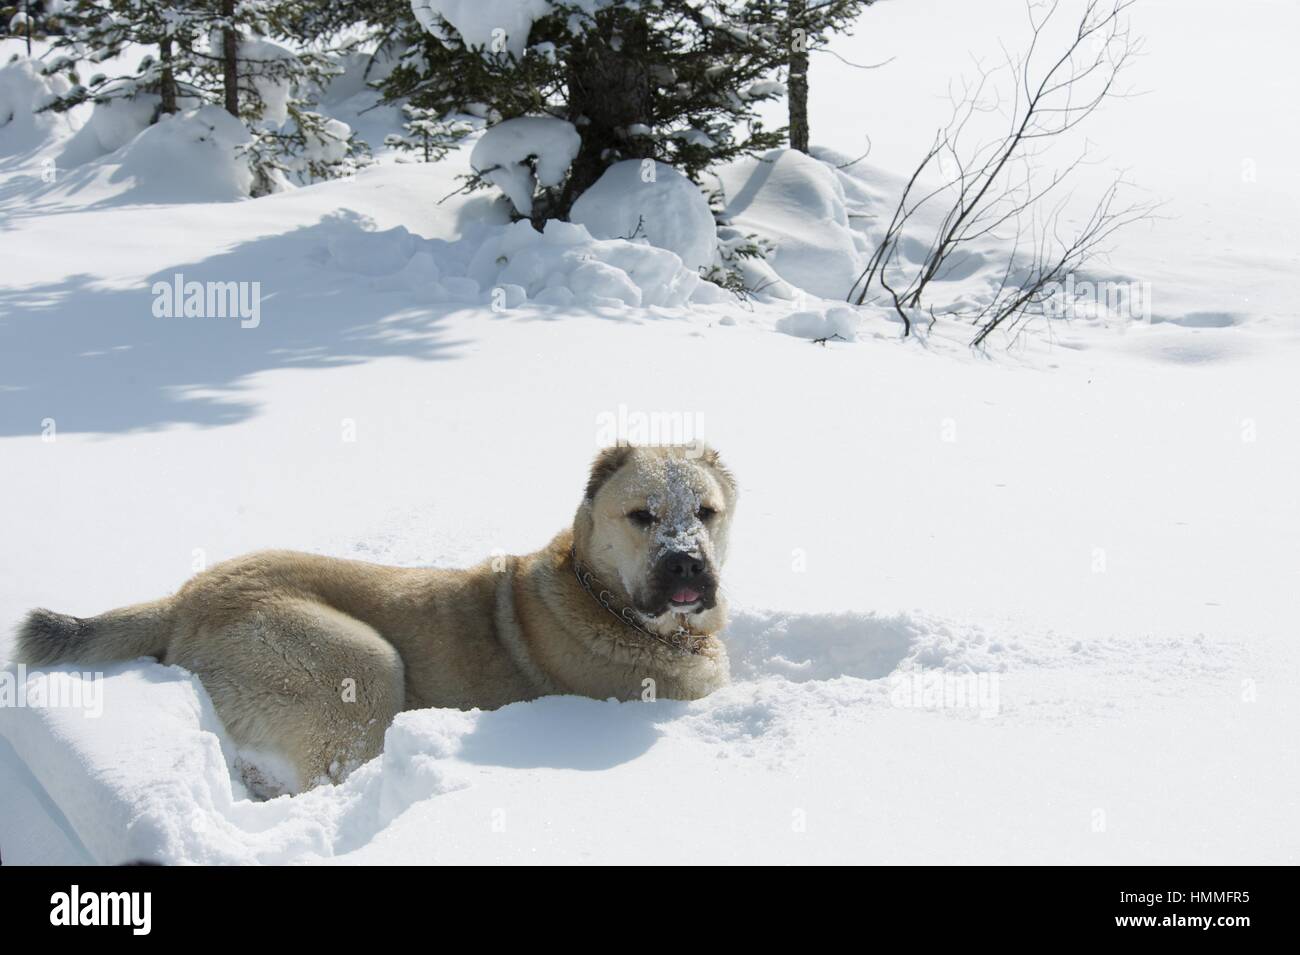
[190, 156]
[640, 199]
[113, 122]
[742, 264]
[525, 157]
[564, 265]
[514, 264]
[494, 25]
[21, 86]
[306, 148]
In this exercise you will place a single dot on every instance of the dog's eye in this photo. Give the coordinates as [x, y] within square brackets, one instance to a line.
[641, 518]
[706, 513]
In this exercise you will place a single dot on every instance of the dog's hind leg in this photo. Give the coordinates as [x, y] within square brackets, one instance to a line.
[301, 681]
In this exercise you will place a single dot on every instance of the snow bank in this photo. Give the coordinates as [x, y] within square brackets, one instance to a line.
[153, 776]
[521, 154]
[652, 202]
[111, 125]
[513, 264]
[564, 265]
[115, 122]
[798, 203]
[22, 89]
[837, 320]
[191, 156]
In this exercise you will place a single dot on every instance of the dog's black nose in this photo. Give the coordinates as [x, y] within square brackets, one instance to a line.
[683, 567]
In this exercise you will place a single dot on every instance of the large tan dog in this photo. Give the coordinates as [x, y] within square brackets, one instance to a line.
[310, 658]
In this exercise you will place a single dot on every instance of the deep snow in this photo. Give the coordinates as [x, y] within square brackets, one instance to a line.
[1093, 538]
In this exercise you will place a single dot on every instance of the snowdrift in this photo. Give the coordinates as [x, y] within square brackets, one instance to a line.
[652, 201]
[799, 203]
[189, 157]
[148, 772]
[22, 88]
[513, 265]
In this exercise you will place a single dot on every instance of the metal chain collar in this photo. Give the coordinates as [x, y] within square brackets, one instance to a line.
[683, 640]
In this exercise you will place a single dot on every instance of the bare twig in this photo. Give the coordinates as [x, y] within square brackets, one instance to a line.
[993, 186]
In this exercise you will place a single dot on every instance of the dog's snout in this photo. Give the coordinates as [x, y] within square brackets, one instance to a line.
[683, 567]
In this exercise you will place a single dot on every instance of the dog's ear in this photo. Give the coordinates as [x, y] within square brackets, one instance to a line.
[714, 460]
[603, 468]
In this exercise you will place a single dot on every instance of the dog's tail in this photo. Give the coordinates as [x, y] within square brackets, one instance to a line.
[46, 637]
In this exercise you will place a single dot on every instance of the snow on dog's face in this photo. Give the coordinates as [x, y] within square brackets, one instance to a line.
[654, 523]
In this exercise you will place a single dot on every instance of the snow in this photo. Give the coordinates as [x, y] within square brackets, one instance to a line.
[1027, 604]
[654, 202]
[520, 154]
[816, 325]
[801, 203]
[112, 124]
[1211, 151]
[268, 78]
[564, 266]
[152, 779]
[506, 266]
[21, 87]
[186, 157]
[494, 25]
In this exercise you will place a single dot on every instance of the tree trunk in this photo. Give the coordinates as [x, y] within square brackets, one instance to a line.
[167, 80]
[609, 92]
[797, 93]
[230, 59]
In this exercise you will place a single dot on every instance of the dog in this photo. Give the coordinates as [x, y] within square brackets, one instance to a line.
[310, 658]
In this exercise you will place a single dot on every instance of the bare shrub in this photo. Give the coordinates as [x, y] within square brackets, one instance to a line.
[995, 189]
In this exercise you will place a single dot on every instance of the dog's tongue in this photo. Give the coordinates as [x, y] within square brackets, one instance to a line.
[686, 596]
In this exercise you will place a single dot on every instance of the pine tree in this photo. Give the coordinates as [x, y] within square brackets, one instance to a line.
[30, 19]
[100, 30]
[215, 51]
[429, 136]
[273, 90]
[800, 27]
[677, 81]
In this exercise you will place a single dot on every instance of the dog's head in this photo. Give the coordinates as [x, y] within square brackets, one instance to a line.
[654, 523]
